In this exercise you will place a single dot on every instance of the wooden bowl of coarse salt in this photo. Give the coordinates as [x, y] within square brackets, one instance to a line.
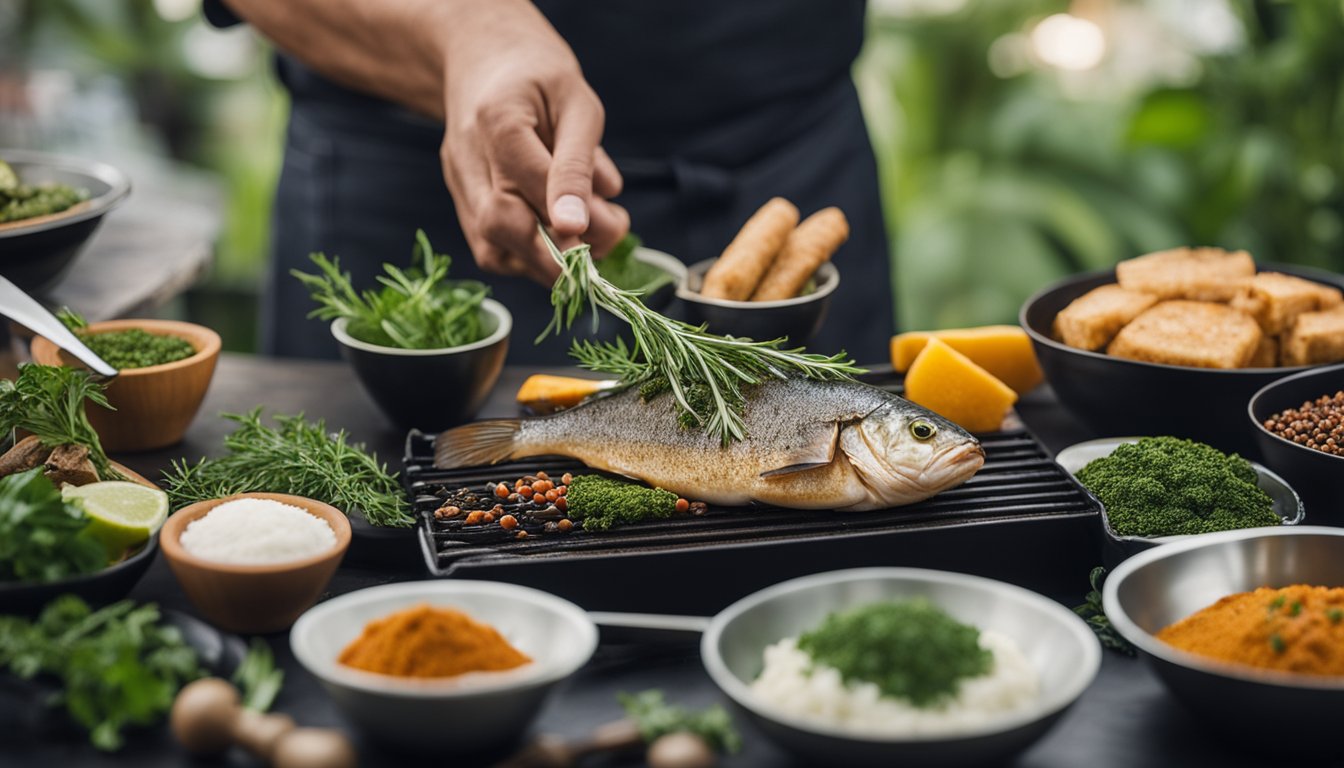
[254, 562]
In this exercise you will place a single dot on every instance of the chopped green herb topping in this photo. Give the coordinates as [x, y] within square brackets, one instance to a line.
[910, 649]
[1276, 643]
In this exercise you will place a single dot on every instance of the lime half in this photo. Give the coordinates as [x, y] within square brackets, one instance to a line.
[121, 514]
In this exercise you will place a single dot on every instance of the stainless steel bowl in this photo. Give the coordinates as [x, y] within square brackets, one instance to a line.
[799, 318]
[1056, 642]
[1116, 548]
[1153, 589]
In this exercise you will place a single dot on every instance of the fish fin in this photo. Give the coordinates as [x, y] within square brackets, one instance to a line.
[819, 451]
[476, 444]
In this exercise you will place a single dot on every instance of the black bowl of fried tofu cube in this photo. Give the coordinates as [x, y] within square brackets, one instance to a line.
[1176, 342]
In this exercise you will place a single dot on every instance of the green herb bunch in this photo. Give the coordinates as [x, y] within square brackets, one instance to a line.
[297, 457]
[418, 308]
[706, 373]
[1166, 486]
[601, 502]
[910, 649]
[42, 536]
[48, 401]
[656, 718]
[117, 666]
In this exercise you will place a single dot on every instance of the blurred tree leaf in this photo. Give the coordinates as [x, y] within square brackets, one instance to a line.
[1170, 118]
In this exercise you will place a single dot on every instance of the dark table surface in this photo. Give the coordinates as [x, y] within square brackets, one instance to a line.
[1124, 719]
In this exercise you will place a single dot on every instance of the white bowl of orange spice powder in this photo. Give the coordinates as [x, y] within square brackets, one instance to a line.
[443, 666]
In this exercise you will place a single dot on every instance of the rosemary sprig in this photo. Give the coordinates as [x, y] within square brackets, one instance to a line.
[705, 373]
[297, 457]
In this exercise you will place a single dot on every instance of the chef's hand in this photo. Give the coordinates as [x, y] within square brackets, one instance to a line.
[522, 138]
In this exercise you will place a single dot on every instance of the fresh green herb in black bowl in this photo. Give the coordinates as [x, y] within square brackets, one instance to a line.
[427, 349]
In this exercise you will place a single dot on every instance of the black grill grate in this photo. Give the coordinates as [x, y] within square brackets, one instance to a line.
[1018, 483]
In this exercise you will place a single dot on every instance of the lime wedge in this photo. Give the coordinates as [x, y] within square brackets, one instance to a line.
[121, 514]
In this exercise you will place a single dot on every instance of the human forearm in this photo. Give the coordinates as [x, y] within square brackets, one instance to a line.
[523, 129]
[395, 49]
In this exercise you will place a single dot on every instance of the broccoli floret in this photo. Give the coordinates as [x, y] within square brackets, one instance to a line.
[1165, 486]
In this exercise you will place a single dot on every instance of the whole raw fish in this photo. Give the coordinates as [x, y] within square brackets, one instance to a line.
[810, 445]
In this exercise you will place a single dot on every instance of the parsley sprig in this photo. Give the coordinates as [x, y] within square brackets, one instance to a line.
[117, 666]
[43, 537]
[705, 373]
[655, 717]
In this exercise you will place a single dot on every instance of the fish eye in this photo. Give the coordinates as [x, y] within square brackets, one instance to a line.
[923, 430]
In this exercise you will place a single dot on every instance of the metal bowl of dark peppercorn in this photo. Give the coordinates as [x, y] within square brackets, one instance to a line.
[1117, 548]
[1317, 475]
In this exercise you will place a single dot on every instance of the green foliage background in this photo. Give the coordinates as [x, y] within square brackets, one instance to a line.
[993, 185]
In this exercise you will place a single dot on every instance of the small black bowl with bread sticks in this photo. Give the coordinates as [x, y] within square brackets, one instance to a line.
[775, 278]
[1176, 342]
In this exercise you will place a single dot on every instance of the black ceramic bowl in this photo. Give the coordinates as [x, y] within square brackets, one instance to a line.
[430, 389]
[798, 318]
[1317, 476]
[35, 257]
[105, 586]
[1114, 396]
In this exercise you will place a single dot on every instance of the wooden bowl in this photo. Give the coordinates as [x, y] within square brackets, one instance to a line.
[253, 599]
[154, 405]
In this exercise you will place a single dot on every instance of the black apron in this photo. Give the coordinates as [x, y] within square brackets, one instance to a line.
[713, 108]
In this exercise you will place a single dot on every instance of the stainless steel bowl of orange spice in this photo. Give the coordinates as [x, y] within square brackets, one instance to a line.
[1246, 628]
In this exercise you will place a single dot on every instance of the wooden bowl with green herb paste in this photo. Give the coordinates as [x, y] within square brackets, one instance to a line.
[165, 369]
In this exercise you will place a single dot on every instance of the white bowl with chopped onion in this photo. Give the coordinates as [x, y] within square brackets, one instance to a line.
[770, 654]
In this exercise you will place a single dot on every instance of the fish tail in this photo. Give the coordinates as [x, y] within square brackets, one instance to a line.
[476, 444]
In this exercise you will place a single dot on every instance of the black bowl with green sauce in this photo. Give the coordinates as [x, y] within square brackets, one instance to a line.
[34, 256]
[1116, 547]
